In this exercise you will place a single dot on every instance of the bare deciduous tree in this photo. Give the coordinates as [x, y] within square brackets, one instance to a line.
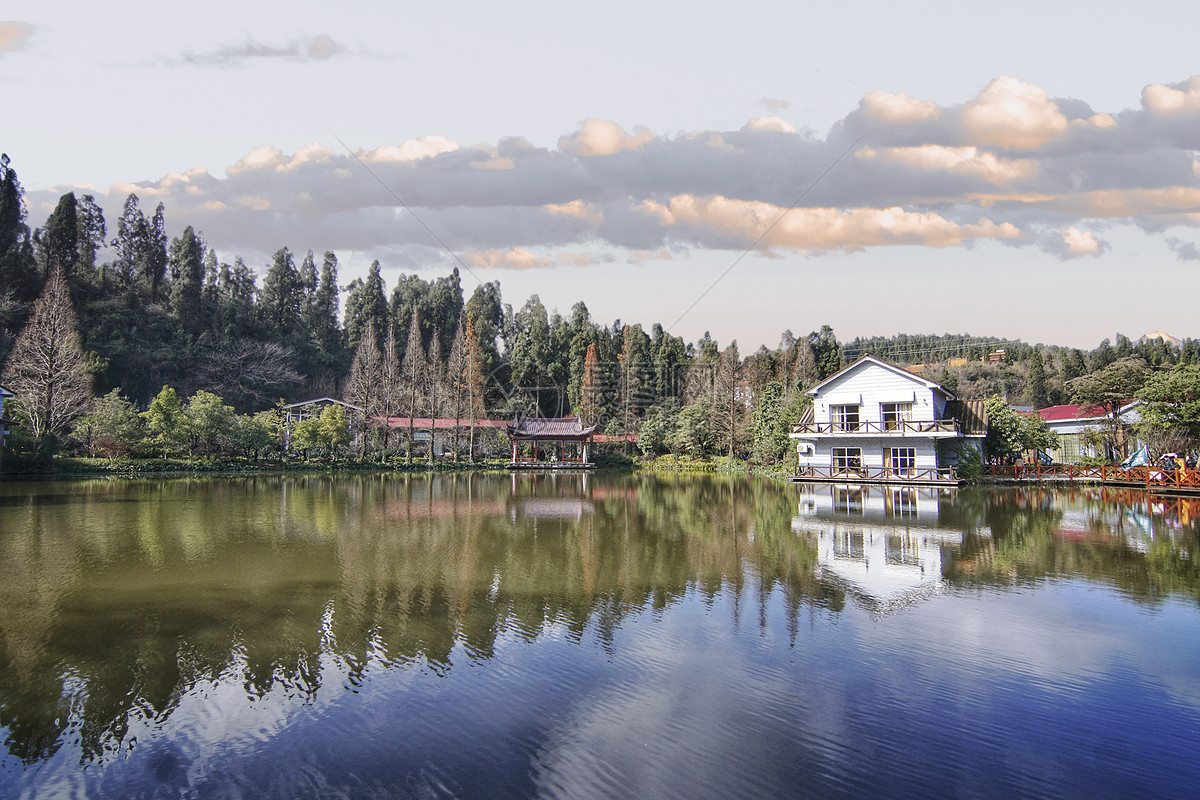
[251, 374]
[47, 369]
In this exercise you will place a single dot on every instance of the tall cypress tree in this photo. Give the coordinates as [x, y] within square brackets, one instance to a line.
[57, 245]
[282, 297]
[18, 271]
[187, 280]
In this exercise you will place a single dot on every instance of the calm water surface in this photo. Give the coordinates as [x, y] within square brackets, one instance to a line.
[594, 636]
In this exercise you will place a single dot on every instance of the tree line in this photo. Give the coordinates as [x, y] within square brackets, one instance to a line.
[122, 318]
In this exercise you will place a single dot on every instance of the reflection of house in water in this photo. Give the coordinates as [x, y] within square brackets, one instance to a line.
[550, 496]
[879, 543]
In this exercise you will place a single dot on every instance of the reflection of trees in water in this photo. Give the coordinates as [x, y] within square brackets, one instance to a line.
[119, 598]
[1037, 533]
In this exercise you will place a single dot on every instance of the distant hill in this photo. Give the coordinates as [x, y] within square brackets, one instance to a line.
[907, 349]
[1160, 336]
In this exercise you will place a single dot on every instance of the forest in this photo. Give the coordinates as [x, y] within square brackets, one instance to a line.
[120, 340]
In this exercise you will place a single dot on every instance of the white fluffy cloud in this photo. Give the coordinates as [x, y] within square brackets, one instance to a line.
[965, 160]
[898, 109]
[1012, 113]
[770, 124]
[1183, 98]
[1080, 243]
[598, 137]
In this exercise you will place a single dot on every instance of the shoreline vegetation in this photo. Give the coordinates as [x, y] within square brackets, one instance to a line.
[68, 468]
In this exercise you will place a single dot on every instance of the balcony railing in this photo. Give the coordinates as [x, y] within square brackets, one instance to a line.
[902, 427]
[875, 474]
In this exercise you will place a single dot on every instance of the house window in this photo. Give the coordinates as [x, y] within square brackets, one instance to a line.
[893, 414]
[900, 460]
[844, 418]
[846, 459]
[903, 503]
[850, 501]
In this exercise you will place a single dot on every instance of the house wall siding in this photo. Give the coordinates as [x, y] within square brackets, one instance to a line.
[871, 385]
[873, 449]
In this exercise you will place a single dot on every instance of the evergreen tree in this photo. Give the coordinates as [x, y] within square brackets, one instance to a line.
[323, 317]
[187, 280]
[56, 243]
[308, 289]
[153, 258]
[131, 243]
[1036, 381]
[366, 307]
[826, 352]
[282, 298]
[18, 272]
[91, 234]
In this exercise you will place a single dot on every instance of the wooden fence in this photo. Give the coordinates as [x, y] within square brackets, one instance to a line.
[1181, 478]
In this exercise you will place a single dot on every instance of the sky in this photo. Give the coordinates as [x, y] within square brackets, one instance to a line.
[1026, 170]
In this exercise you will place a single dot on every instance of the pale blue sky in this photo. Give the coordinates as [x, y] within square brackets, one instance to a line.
[1026, 184]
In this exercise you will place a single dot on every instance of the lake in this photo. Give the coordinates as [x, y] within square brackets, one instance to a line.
[603, 635]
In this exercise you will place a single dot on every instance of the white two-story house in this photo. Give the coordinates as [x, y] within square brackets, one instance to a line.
[875, 421]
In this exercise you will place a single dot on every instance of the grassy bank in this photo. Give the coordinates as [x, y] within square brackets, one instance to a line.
[69, 467]
[722, 465]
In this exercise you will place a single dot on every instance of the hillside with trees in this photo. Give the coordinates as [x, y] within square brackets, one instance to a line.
[120, 340]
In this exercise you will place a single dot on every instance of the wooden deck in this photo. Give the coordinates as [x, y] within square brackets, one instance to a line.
[1154, 479]
[550, 465]
[866, 475]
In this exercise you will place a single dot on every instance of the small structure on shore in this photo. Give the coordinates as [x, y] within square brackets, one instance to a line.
[550, 443]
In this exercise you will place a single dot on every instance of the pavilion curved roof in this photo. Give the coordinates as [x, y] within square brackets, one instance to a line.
[549, 428]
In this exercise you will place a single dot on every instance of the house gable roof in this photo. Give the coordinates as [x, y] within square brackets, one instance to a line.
[6, 392]
[1081, 412]
[868, 360]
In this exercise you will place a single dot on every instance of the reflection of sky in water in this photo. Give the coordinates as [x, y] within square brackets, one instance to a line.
[1051, 686]
[1046, 691]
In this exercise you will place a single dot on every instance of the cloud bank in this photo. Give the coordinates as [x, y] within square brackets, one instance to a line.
[1010, 165]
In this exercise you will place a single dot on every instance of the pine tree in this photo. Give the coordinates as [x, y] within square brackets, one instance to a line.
[153, 257]
[131, 241]
[282, 297]
[47, 369]
[91, 234]
[187, 280]
[18, 272]
[56, 243]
